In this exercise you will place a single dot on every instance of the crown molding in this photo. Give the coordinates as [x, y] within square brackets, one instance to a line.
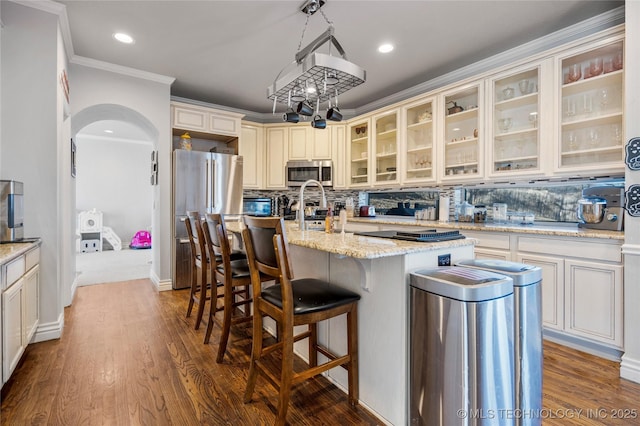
[255, 117]
[541, 45]
[119, 69]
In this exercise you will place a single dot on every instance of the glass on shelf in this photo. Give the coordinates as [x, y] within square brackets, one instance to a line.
[505, 124]
[575, 73]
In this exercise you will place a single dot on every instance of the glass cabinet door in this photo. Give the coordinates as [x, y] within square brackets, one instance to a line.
[461, 134]
[358, 170]
[516, 114]
[386, 148]
[592, 110]
[418, 151]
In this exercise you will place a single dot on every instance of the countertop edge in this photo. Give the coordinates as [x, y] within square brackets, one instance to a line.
[11, 251]
[551, 230]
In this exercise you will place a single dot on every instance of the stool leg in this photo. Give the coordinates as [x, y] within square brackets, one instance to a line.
[286, 374]
[212, 314]
[203, 298]
[256, 353]
[226, 322]
[313, 345]
[352, 344]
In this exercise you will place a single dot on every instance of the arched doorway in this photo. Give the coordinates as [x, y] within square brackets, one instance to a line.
[113, 151]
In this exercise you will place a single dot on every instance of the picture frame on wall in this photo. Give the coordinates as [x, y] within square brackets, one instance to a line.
[73, 158]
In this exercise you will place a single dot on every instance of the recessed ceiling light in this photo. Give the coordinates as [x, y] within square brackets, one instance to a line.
[385, 48]
[108, 131]
[123, 38]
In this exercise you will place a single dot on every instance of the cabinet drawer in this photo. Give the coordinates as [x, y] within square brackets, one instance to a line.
[575, 247]
[492, 240]
[32, 258]
[12, 271]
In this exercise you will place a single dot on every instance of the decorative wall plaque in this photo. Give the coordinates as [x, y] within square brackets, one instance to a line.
[632, 200]
[632, 154]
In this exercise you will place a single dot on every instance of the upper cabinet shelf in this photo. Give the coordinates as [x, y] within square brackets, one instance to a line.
[591, 109]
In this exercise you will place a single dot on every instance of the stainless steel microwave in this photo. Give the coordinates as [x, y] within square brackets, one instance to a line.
[298, 172]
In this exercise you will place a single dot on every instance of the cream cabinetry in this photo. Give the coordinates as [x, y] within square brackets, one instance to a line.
[462, 153]
[206, 120]
[251, 148]
[590, 106]
[308, 143]
[13, 343]
[338, 154]
[276, 147]
[358, 149]
[20, 307]
[491, 245]
[417, 160]
[516, 119]
[593, 301]
[385, 148]
[582, 286]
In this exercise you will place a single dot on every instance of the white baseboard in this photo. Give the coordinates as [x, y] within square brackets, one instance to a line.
[160, 285]
[49, 331]
[630, 369]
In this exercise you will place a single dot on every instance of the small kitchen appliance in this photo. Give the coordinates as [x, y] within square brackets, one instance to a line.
[367, 211]
[11, 210]
[601, 207]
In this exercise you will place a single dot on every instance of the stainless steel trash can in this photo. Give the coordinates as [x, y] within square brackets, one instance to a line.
[527, 315]
[461, 347]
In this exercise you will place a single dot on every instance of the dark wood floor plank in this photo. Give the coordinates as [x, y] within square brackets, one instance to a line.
[129, 356]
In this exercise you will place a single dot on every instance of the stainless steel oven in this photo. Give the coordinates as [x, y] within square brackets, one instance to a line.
[298, 172]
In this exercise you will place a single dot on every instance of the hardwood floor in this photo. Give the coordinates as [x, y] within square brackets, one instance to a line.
[128, 356]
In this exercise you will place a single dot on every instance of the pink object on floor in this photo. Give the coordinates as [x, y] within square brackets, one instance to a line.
[142, 240]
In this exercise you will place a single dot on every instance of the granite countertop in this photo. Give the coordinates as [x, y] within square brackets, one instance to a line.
[357, 246]
[539, 229]
[9, 251]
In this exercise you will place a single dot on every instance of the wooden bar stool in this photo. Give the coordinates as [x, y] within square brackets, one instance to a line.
[200, 282]
[233, 278]
[304, 301]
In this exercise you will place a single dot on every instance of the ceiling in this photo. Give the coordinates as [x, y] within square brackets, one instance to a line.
[228, 52]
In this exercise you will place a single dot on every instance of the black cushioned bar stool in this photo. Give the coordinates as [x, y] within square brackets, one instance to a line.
[233, 280]
[293, 302]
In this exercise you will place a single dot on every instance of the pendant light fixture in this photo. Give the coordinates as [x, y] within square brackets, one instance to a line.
[315, 77]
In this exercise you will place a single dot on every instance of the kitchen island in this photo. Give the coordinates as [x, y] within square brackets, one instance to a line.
[377, 269]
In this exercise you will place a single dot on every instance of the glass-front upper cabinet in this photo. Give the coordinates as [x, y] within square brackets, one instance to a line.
[516, 113]
[591, 105]
[385, 147]
[462, 149]
[358, 168]
[418, 151]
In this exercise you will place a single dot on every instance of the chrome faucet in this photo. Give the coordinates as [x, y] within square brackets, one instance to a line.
[323, 201]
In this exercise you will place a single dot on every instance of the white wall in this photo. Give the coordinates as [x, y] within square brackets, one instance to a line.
[32, 141]
[113, 177]
[107, 92]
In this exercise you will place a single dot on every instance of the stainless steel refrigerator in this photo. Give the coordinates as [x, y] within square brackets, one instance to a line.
[205, 182]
